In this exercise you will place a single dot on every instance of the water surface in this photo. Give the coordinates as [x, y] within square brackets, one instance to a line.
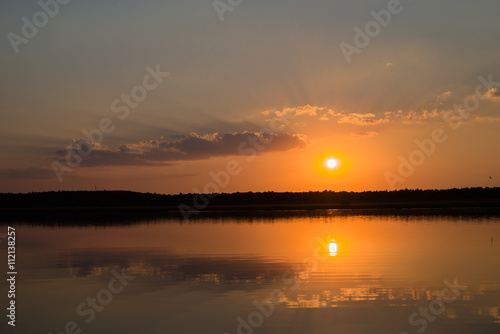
[263, 276]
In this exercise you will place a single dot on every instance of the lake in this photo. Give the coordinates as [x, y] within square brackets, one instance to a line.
[321, 273]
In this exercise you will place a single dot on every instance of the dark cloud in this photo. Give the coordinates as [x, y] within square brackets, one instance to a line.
[192, 147]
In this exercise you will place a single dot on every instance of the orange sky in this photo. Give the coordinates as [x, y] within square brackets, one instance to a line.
[162, 101]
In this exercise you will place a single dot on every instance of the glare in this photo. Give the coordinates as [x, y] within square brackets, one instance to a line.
[333, 248]
[331, 163]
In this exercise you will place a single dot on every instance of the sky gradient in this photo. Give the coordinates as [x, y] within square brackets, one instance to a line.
[268, 86]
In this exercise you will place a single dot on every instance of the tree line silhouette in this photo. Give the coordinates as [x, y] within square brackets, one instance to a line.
[109, 198]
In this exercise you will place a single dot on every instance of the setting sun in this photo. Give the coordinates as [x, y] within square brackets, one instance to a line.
[331, 163]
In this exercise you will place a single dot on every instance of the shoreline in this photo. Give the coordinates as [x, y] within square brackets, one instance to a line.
[117, 215]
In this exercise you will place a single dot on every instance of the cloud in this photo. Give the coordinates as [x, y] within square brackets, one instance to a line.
[31, 173]
[184, 148]
[493, 94]
[327, 114]
[299, 111]
[421, 116]
[364, 134]
[307, 110]
[441, 98]
[322, 113]
[362, 119]
[487, 119]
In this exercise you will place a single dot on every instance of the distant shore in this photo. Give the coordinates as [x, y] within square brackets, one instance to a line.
[123, 205]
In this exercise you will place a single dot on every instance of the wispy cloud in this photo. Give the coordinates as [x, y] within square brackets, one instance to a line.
[307, 110]
[362, 119]
[421, 116]
[364, 134]
[327, 114]
[307, 114]
[487, 119]
[441, 98]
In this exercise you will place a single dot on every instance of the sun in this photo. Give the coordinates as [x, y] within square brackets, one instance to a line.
[331, 163]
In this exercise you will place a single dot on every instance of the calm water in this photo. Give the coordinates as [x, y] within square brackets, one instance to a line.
[388, 275]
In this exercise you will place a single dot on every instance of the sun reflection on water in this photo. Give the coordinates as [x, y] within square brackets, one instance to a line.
[333, 247]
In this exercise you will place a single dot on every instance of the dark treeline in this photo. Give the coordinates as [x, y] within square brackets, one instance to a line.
[411, 198]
